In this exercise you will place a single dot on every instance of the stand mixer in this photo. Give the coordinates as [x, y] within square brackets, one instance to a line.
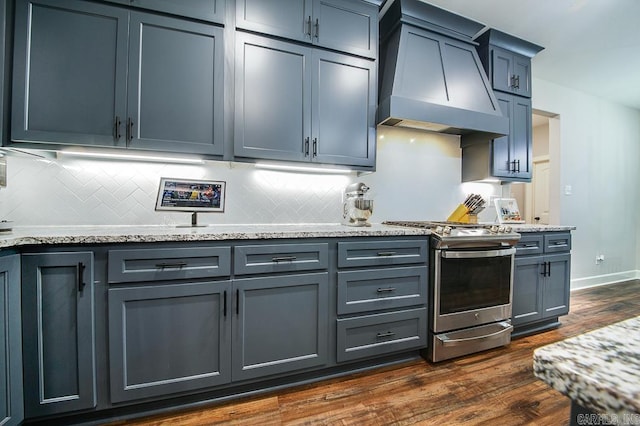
[356, 209]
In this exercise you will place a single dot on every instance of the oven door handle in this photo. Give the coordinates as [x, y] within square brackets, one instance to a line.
[452, 254]
[446, 341]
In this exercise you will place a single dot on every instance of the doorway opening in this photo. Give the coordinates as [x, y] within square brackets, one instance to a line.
[540, 199]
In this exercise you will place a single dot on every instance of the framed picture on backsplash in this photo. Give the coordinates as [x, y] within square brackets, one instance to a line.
[508, 211]
[191, 195]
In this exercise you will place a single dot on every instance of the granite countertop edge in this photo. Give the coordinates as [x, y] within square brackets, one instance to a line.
[105, 234]
[599, 370]
[55, 235]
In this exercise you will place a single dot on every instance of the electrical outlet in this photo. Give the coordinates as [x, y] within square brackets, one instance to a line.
[599, 259]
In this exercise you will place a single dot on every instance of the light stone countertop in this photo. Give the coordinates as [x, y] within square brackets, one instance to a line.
[45, 235]
[527, 227]
[599, 370]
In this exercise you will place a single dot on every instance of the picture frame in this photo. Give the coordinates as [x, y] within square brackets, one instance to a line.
[508, 211]
[191, 195]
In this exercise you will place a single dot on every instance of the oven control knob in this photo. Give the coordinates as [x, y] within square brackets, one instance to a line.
[501, 229]
[439, 229]
[508, 229]
[446, 230]
[493, 229]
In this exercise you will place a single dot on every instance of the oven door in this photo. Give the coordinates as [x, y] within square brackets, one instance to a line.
[472, 287]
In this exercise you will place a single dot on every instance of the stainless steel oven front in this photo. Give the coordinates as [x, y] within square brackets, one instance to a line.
[472, 299]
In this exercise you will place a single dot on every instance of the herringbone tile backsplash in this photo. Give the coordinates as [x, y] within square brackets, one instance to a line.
[417, 177]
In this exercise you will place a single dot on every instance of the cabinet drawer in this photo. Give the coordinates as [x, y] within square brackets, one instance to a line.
[379, 334]
[378, 253]
[168, 264]
[369, 290]
[557, 242]
[530, 244]
[262, 259]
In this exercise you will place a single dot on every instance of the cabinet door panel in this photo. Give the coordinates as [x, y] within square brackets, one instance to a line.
[175, 85]
[280, 324]
[500, 149]
[557, 287]
[522, 71]
[502, 61]
[70, 65]
[273, 99]
[206, 10]
[59, 365]
[343, 109]
[168, 339]
[285, 18]
[527, 290]
[11, 409]
[346, 26]
[521, 137]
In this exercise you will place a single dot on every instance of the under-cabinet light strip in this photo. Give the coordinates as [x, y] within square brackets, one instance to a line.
[132, 157]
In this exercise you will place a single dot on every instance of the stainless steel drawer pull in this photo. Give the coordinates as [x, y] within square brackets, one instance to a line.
[385, 335]
[558, 243]
[386, 253]
[530, 245]
[171, 265]
[283, 259]
[386, 290]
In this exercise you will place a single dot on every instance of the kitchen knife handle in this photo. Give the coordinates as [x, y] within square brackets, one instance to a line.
[116, 128]
[81, 282]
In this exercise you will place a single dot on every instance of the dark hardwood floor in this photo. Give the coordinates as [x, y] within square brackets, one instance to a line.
[496, 387]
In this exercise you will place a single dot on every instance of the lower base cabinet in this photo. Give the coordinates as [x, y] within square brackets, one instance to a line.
[11, 409]
[280, 324]
[541, 282]
[165, 339]
[58, 333]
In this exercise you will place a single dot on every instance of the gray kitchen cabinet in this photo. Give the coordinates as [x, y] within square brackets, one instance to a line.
[541, 284]
[507, 61]
[5, 72]
[344, 25]
[58, 333]
[327, 115]
[166, 339]
[205, 10]
[169, 315]
[513, 154]
[11, 405]
[93, 74]
[69, 74]
[381, 307]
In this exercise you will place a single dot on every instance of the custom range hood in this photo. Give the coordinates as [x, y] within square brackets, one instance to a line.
[431, 77]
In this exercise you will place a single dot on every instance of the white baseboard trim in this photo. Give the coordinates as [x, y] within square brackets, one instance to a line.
[599, 280]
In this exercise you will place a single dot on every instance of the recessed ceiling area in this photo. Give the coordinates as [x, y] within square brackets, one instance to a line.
[590, 45]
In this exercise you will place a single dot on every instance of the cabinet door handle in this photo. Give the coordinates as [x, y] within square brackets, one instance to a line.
[81, 283]
[315, 147]
[283, 259]
[129, 130]
[385, 335]
[544, 269]
[317, 29]
[116, 128]
[386, 290]
[548, 269]
[518, 163]
[178, 265]
[306, 146]
[224, 304]
[237, 301]
[386, 253]
[517, 82]
[308, 26]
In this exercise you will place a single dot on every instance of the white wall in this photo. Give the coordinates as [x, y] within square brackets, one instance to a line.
[599, 153]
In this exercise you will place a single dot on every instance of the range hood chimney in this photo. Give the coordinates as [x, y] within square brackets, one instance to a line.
[431, 77]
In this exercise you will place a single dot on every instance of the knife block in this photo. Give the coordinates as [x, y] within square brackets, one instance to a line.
[461, 214]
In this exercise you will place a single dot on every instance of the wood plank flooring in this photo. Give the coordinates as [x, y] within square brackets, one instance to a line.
[496, 387]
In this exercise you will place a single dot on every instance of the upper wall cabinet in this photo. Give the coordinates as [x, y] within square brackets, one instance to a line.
[92, 74]
[507, 61]
[327, 115]
[349, 26]
[205, 10]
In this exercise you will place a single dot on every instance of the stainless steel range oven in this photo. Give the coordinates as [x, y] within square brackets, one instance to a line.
[470, 287]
